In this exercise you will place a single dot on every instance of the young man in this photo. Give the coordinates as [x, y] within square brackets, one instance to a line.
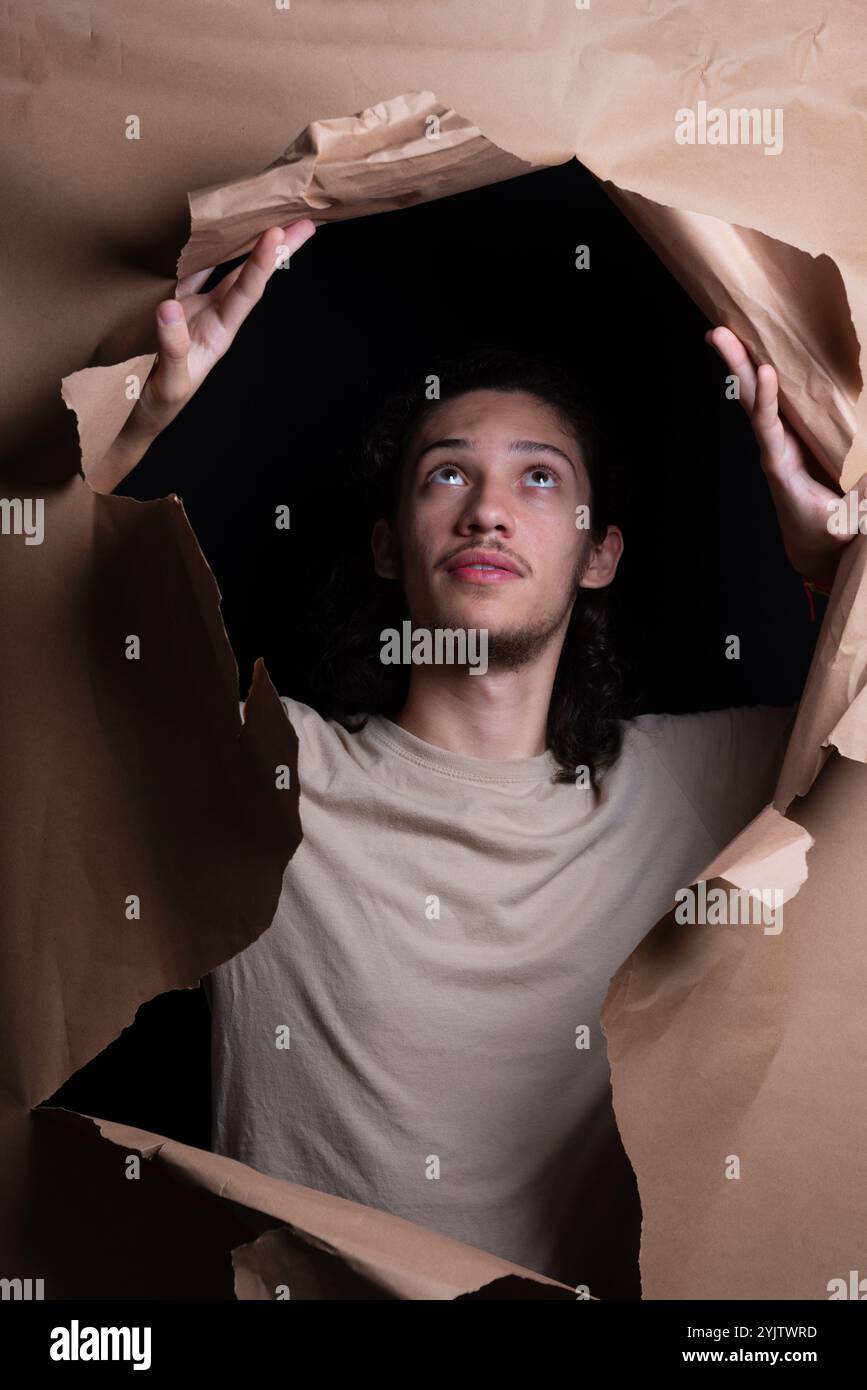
[482, 855]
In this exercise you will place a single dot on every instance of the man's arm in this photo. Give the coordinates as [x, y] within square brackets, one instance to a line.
[193, 332]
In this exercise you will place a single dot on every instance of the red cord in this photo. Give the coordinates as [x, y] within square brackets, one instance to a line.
[809, 592]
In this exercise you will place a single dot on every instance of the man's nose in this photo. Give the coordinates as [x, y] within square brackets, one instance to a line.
[488, 508]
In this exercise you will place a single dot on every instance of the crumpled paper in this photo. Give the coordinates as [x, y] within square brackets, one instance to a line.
[773, 246]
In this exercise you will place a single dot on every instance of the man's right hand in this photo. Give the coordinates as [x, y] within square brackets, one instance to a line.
[193, 332]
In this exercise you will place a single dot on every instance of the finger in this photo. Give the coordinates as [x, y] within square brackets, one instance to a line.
[218, 293]
[243, 287]
[215, 295]
[190, 283]
[767, 424]
[765, 406]
[759, 389]
[169, 382]
[860, 487]
[738, 361]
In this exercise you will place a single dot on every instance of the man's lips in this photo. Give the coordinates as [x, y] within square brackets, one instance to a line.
[481, 567]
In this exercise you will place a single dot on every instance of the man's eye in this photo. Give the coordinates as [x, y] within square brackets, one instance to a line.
[546, 474]
[445, 468]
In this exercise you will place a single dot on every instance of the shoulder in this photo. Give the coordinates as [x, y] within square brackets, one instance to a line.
[322, 742]
[306, 721]
[303, 718]
[726, 761]
[672, 736]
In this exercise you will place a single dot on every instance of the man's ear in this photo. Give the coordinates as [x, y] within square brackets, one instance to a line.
[384, 547]
[605, 559]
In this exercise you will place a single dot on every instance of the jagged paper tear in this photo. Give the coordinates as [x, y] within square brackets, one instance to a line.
[669, 64]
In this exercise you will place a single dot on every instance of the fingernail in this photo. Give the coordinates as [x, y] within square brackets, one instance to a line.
[170, 312]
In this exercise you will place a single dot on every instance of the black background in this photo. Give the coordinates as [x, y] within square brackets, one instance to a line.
[278, 422]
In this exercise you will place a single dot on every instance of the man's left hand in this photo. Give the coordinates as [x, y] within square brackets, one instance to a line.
[802, 503]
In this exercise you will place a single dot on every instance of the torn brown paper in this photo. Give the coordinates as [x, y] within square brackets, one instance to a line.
[394, 1257]
[398, 153]
[791, 309]
[144, 837]
[199, 1225]
[406, 150]
[786, 306]
[771, 850]
[215, 101]
[832, 712]
[736, 1056]
[312, 1272]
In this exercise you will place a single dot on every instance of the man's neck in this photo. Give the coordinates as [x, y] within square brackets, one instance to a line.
[502, 714]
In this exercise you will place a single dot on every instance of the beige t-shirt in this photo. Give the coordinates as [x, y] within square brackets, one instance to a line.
[444, 928]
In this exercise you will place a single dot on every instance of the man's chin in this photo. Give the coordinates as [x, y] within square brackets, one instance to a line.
[509, 644]
[509, 647]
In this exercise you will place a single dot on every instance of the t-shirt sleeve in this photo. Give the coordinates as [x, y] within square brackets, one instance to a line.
[206, 980]
[726, 762]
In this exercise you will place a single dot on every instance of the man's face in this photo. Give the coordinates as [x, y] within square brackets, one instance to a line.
[492, 479]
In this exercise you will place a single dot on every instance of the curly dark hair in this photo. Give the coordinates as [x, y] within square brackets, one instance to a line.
[584, 714]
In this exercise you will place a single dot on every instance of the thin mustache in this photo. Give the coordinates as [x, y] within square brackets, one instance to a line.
[494, 549]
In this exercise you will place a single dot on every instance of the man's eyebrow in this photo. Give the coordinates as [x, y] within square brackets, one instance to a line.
[516, 446]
